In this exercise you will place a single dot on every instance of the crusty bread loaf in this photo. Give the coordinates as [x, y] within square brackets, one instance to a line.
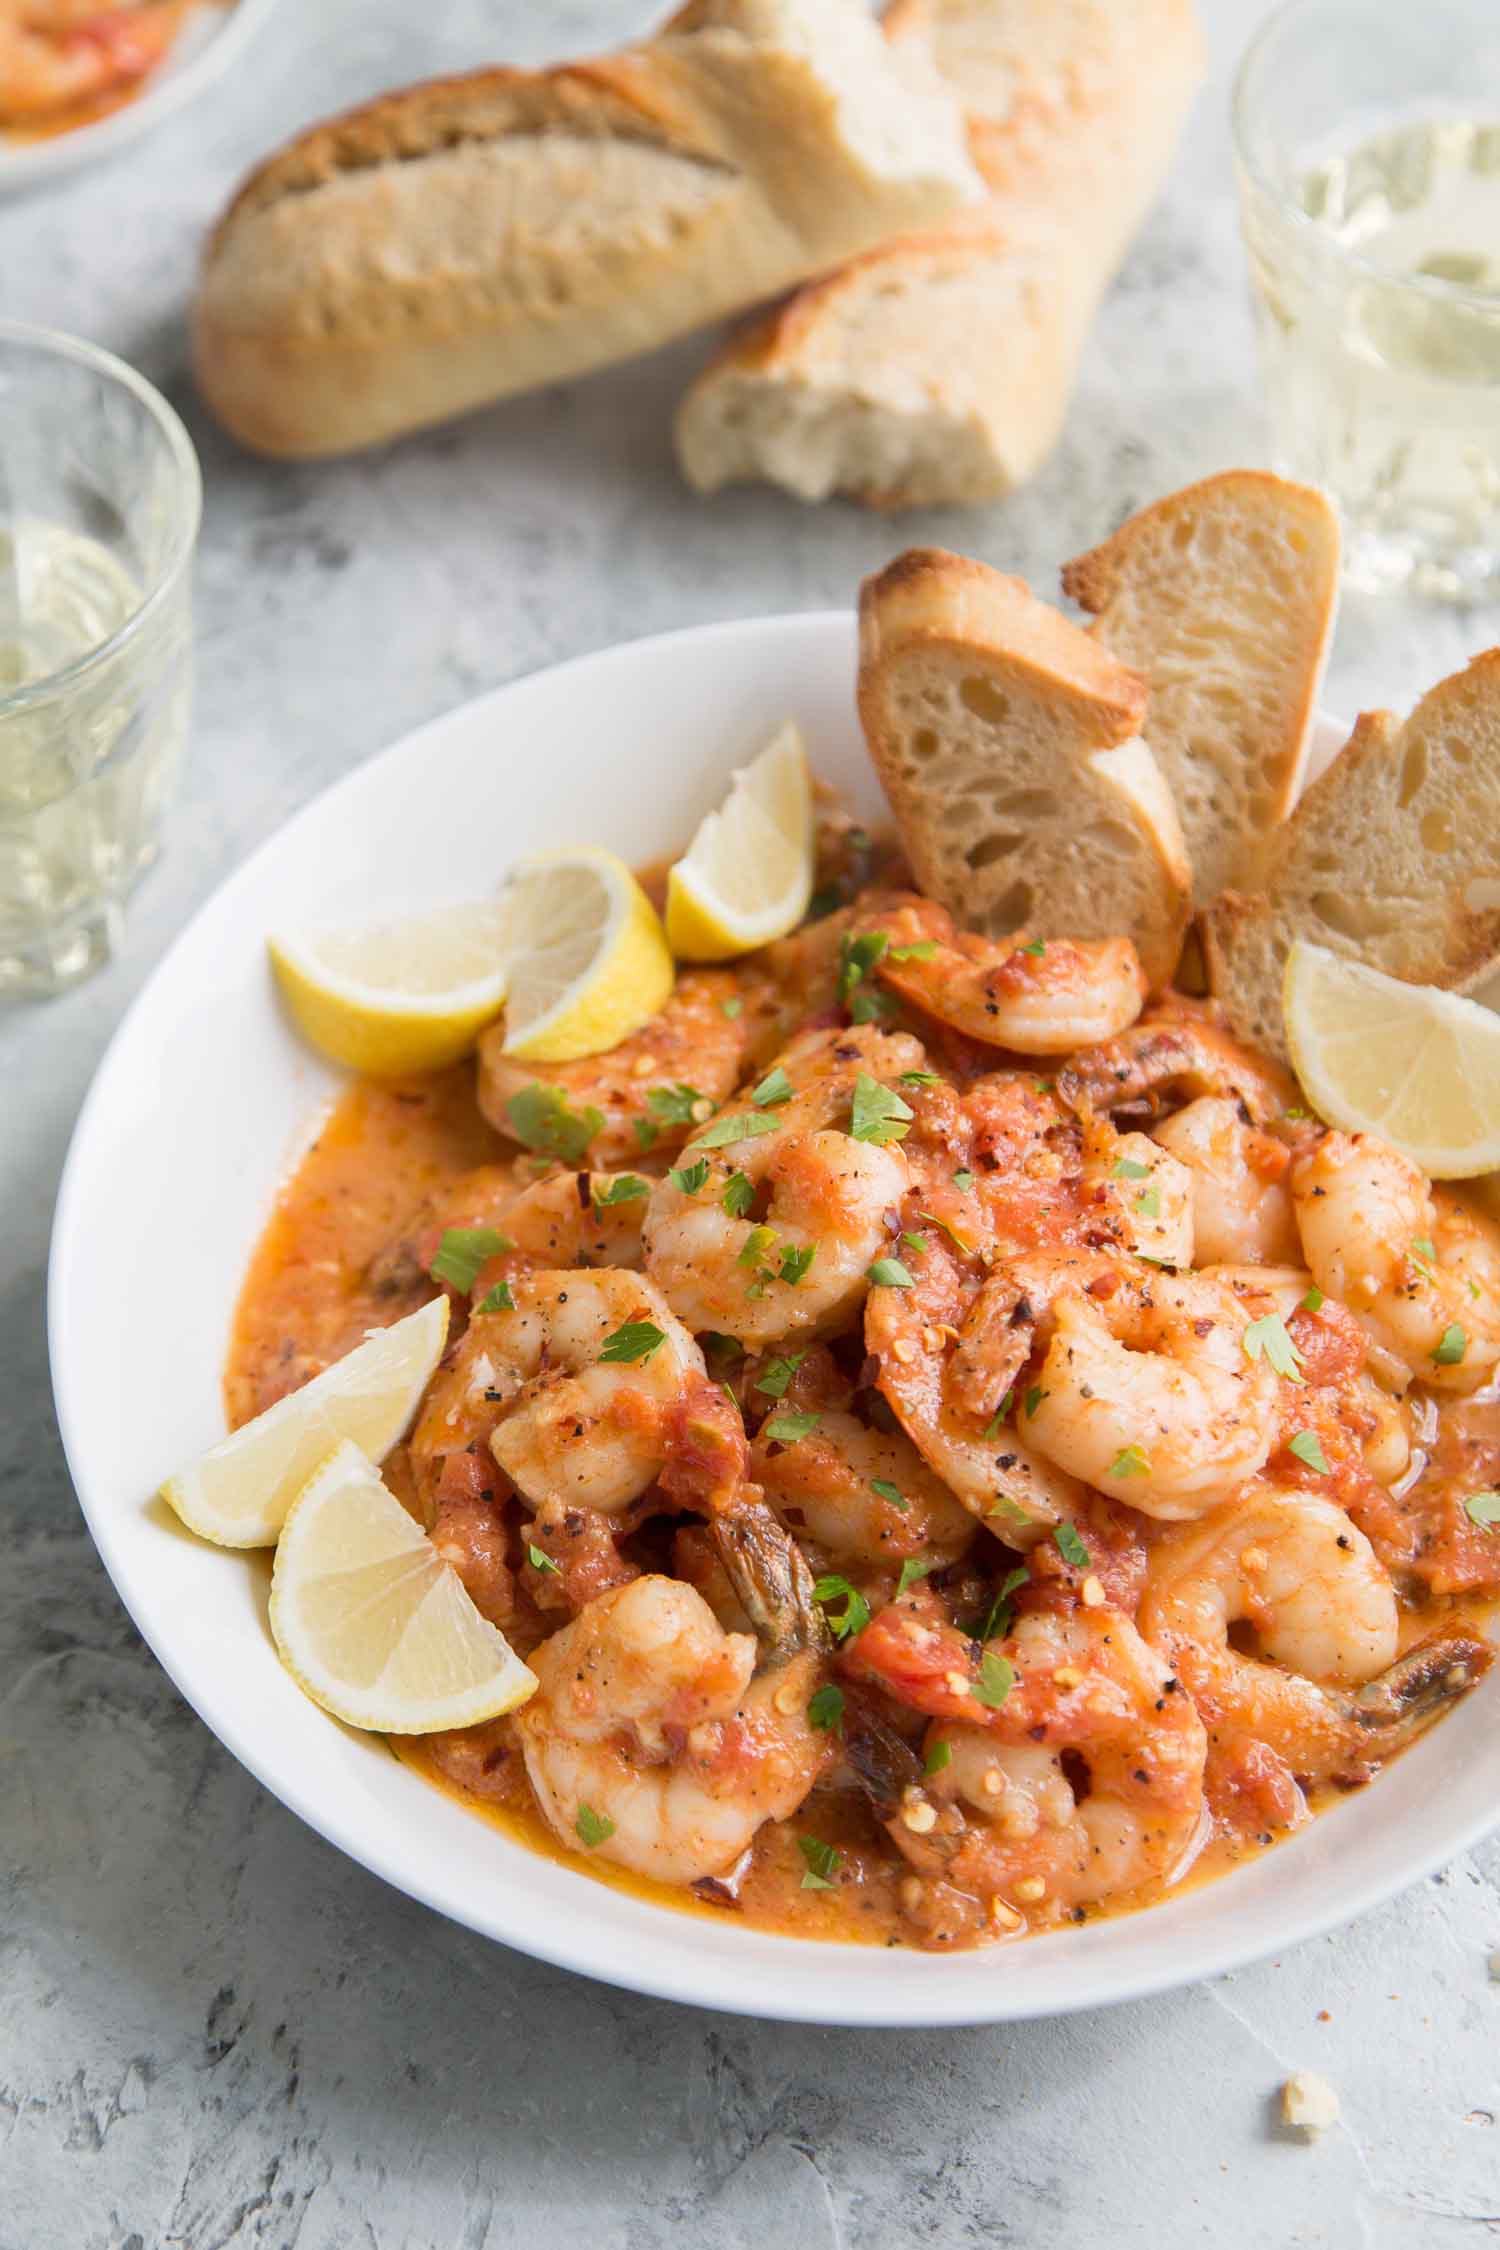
[1390, 858]
[1008, 745]
[1224, 595]
[938, 368]
[456, 242]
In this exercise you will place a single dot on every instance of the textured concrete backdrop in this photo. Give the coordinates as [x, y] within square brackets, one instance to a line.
[214, 2031]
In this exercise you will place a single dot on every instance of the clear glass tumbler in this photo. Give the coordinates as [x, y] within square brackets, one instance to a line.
[1367, 136]
[99, 504]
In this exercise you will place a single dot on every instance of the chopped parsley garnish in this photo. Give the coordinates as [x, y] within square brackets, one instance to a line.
[1422, 1255]
[1313, 1300]
[825, 1710]
[1148, 1202]
[461, 1253]
[719, 1346]
[963, 1181]
[964, 1248]
[1483, 1508]
[731, 1007]
[743, 1127]
[919, 1078]
[1034, 1399]
[1268, 1339]
[940, 1755]
[1070, 1545]
[997, 1421]
[592, 1827]
[690, 1177]
[633, 1340]
[539, 1117]
[855, 1614]
[911, 1571]
[1450, 1346]
[787, 1428]
[1038, 946]
[889, 1273]
[1126, 1168]
[878, 1115]
[794, 1263]
[891, 1494]
[774, 1089]
[995, 1623]
[823, 1863]
[1306, 1447]
[869, 1004]
[777, 1377]
[755, 1245]
[915, 1245]
[1130, 1461]
[739, 1195]
[674, 1105]
[498, 1299]
[997, 1676]
[625, 1187]
[923, 950]
[539, 1559]
[647, 1134]
[857, 957]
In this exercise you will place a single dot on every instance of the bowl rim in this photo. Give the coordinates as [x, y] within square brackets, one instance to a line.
[733, 1985]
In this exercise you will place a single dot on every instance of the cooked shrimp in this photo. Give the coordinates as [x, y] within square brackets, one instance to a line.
[580, 1219]
[650, 1718]
[1242, 1207]
[1034, 996]
[1292, 1566]
[772, 1233]
[1150, 1194]
[1178, 1048]
[565, 1423]
[57, 56]
[1075, 1776]
[961, 1430]
[1417, 1265]
[1146, 1389]
[827, 1486]
[646, 1093]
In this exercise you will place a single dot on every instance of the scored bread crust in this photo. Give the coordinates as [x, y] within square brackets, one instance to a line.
[1224, 594]
[937, 369]
[1008, 745]
[456, 242]
[1389, 859]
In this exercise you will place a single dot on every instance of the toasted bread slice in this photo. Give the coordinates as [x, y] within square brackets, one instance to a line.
[1224, 596]
[1390, 858]
[1008, 743]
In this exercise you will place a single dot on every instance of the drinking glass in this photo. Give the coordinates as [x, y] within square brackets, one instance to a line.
[1367, 140]
[99, 504]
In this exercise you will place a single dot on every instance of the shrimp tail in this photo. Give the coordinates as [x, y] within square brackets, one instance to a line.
[1417, 1689]
[772, 1581]
[883, 1761]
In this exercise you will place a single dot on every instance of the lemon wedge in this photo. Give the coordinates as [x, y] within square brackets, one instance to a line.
[588, 958]
[747, 876]
[395, 997]
[238, 1493]
[1418, 1067]
[372, 1623]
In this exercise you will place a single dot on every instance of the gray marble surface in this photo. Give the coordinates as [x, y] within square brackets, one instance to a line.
[215, 2032]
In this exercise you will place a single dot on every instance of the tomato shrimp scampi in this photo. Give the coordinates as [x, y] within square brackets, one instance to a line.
[959, 1447]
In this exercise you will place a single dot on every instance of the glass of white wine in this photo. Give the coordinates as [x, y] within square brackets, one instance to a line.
[99, 504]
[1367, 138]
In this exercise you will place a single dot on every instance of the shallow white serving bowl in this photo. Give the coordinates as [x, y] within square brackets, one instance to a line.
[214, 33]
[204, 1101]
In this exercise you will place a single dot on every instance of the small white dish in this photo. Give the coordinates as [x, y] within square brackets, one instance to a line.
[214, 34]
[201, 1105]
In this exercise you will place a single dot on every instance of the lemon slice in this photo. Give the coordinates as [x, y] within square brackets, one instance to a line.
[370, 1620]
[238, 1493]
[747, 876]
[1419, 1067]
[588, 958]
[395, 997]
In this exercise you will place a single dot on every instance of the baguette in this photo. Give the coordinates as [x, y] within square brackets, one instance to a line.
[1008, 745]
[1389, 859]
[460, 241]
[1224, 595]
[937, 369]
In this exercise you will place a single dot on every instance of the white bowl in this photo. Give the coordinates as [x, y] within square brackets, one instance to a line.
[212, 36]
[200, 1106]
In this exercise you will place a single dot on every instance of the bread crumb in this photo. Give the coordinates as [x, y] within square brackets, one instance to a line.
[1324, 2016]
[1494, 1968]
[1309, 2103]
